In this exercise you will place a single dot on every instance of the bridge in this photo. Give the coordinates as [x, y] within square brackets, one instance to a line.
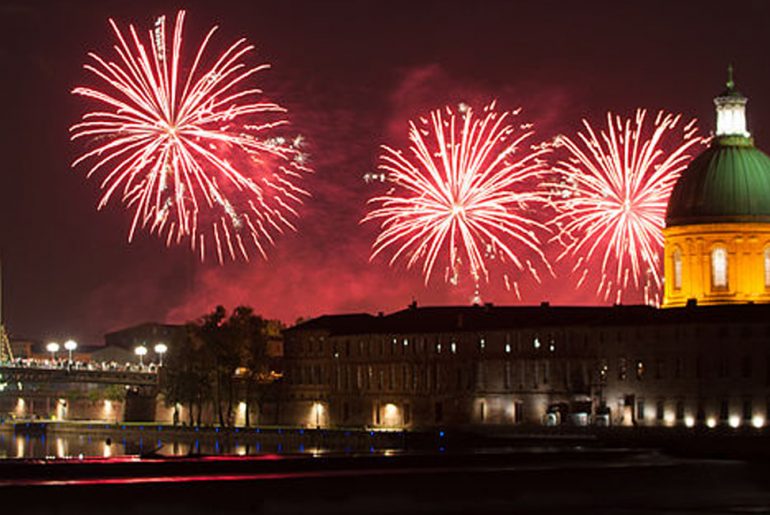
[60, 375]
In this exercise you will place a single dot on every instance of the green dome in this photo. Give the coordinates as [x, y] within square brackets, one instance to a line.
[729, 182]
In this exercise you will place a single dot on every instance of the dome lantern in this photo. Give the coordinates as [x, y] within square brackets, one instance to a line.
[731, 110]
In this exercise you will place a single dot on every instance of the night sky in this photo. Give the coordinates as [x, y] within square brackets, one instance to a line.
[351, 73]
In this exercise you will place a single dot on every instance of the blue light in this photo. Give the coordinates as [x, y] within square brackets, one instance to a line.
[441, 434]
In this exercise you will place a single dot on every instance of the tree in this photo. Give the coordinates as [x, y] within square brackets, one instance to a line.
[185, 378]
[219, 359]
[250, 334]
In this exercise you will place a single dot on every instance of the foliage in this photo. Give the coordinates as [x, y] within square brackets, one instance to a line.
[219, 360]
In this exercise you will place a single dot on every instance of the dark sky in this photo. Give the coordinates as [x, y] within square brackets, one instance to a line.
[351, 74]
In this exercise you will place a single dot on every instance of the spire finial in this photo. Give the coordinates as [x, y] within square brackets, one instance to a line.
[730, 81]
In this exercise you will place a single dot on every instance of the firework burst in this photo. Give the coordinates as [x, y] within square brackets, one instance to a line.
[462, 195]
[611, 196]
[189, 148]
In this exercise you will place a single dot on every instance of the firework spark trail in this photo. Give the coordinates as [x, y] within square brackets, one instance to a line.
[189, 151]
[467, 184]
[611, 196]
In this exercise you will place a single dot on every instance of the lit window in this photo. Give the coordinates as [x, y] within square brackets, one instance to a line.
[508, 348]
[677, 269]
[719, 267]
[767, 267]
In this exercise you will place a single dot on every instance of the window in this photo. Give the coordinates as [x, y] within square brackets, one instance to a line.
[518, 412]
[482, 409]
[640, 370]
[640, 409]
[659, 409]
[719, 268]
[659, 366]
[724, 409]
[680, 410]
[748, 410]
[678, 269]
[622, 369]
[767, 267]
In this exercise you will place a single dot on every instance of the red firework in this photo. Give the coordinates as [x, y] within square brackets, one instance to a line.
[612, 194]
[462, 194]
[188, 147]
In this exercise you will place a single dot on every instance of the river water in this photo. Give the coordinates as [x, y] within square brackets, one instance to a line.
[92, 445]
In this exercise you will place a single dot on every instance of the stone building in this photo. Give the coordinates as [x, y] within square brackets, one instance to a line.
[437, 366]
[704, 360]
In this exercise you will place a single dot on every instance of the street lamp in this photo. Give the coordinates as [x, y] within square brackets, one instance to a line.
[70, 345]
[140, 351]
[160, 350]
[53, 348]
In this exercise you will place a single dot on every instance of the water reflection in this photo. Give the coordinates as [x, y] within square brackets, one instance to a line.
[76, 445]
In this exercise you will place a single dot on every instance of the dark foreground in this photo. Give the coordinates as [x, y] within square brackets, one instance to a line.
[571, 480]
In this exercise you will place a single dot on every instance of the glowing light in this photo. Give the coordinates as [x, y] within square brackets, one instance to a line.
[61, 451]
[61, 409]
[160, 349]
[70, 345]
[735, 421]
[52, 347]
[711, 422]
[463, 195]
[758, 421]
[107, 406]
[187, 148]
[611, 194]
[391, 410]
[669, 418]
[317, 412]
[689, 421]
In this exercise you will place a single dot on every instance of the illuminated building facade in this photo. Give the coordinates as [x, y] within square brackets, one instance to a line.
[491, 365]
[717, 235]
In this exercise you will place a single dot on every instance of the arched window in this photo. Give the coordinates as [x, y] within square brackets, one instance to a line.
[767, 267]
[677, 269]
[719, 268]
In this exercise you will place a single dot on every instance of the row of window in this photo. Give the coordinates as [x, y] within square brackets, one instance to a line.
[569, 342]
[721, 367]
[385, 378]
[719, 268]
